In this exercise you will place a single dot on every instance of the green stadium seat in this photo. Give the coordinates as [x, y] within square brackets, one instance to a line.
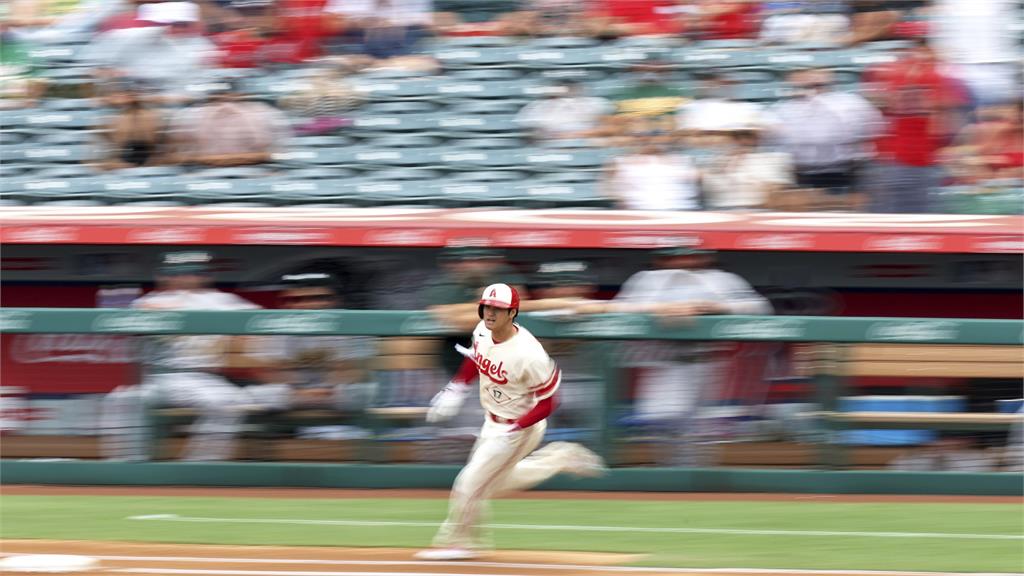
[395, 123]
[535, 194]
[66, 171]
[406, 141]
[41, 155]
[481, 158]
[314, 157]
[386, 89]
[570, 177]
[469, 57]
[457, 125]
[395, 192]
[319, 173]
[118, 189]
[456, 42]
[37, 190]
[400, 107]
[473, 107]
[376, 158]
[484, 90]
[231, 173]
[401, 174]
[42, 119]
[457, 194]
[202, 190]
[541, 160]
[320, 141]
[488, 176]
[291, 191]
[485, 75]
[68, 104]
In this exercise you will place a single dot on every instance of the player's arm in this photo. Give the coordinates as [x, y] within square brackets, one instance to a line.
[545, 391]
[447, 403]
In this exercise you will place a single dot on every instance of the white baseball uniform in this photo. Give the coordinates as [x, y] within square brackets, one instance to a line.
[514, 376]
[181, 371]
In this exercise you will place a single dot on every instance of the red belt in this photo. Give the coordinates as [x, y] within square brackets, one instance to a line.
[500, 420]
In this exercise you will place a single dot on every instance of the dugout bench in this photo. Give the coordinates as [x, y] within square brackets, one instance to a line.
[835, 365]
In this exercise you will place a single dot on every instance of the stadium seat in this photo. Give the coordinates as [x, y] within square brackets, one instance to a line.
[320, 141]
[43, 155]
[371, 158]
[119, 188]
[394, 123]
[292, 191]
[201, 190]
[393, 192]
[469, 126]
[299, 157]
[41, 119]
[494, 89]
[487, 176]
[36, 190]
[400, 107]
[455, 194]
[473, 107]
[485, 75]
[401, 174]
[387, 89]
[541, 160]
[539, 194]
[406, 141]
[470, 57]
[319, 173]
[481, 158]
[457, 42]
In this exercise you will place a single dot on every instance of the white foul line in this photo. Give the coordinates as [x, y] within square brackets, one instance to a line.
[288, 573]
[573, 528]
[533, 566]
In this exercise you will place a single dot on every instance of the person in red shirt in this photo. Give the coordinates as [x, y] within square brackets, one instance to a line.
[923, 110]
[631, 17]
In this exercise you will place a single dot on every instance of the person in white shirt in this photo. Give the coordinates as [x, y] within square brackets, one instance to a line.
[518, 388]
[715, 110]
[676, 378]
[652, 178]
[743, 177]
[566, 114]
[185, 371]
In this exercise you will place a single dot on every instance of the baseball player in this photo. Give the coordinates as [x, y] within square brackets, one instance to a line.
[675, 377]
[518, 388]
[185, 371]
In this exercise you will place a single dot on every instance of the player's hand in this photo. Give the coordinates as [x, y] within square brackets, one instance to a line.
[447, 402]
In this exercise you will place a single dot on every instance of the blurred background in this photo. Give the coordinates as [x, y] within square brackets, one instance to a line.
[875, 112]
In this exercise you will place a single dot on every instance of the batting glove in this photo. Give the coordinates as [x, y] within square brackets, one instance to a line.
[447, 402]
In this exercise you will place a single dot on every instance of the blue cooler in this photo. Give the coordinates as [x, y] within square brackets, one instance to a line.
[896, 404]
[1011, 406]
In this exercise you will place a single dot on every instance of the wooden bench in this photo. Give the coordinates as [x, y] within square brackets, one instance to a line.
[836, 364]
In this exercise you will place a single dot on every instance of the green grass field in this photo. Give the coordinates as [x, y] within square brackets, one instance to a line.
[892, 536]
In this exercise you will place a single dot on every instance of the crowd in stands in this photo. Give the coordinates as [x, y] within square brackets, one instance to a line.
[898, 106]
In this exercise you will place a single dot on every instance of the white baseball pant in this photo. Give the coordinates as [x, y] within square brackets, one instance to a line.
[498, 464]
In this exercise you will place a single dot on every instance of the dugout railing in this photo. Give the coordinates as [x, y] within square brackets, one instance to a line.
[847, 347]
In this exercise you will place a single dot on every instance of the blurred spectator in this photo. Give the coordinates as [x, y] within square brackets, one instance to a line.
[262, 33]
[548, 18]
[325, 100]
[923, 109]
[992, 148]
[320, 371]
[136, 134]
[826, 132]
[84, 17]
[878, 19]
[725, 20]
[185, 371]
[676, 378]
[744, 177]
[169, 55]
[613, 18]
[566, 113]
[804, 21]
[36, 13]
[975, 38]
[716, 111]
[652, 178]
[228, 130]
[18, 87]
[382, 29]
[646, 107]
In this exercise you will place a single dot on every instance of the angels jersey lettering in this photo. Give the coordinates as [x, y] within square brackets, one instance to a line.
[514, 374]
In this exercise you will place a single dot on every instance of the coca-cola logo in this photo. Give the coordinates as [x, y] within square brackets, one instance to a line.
[71, 348]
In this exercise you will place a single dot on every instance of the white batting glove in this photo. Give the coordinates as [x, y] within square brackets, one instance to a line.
[468, 353]
[446, 403]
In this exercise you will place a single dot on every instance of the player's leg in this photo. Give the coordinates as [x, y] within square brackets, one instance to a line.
[123, 424]
[494, 455]
[555, 458]
[221, 407]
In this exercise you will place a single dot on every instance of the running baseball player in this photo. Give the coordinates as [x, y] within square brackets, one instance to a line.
[185, 371]
[518, 390]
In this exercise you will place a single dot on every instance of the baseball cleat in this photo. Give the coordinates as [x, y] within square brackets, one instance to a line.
[446, 554]
[586, 463]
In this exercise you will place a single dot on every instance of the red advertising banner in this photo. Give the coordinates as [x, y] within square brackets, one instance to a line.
[67, 363]
[411, 227]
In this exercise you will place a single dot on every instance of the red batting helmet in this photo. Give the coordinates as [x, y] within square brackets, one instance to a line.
[499, 296]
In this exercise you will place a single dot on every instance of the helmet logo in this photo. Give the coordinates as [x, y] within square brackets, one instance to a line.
[493, 294]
